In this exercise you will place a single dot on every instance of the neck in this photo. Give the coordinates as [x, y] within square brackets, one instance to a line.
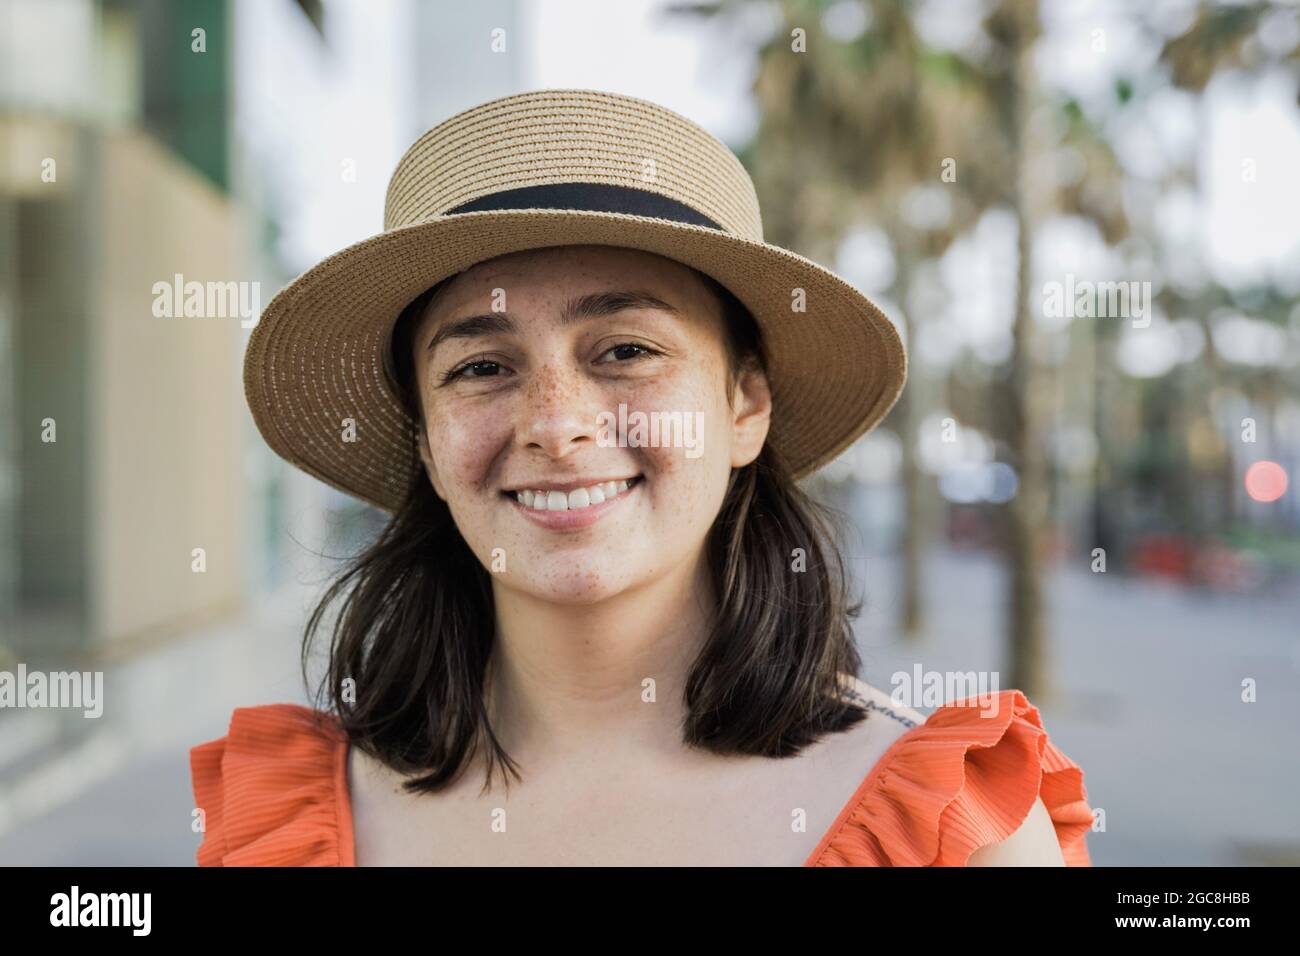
[573, 679]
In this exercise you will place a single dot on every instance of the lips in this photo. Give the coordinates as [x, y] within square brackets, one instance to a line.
[575, 499]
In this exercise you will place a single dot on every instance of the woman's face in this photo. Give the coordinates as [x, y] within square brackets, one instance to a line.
[547, 375]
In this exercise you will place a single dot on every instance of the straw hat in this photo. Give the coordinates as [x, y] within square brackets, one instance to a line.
[550, 168]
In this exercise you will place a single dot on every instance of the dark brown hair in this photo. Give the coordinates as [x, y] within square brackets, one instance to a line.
[410, 649]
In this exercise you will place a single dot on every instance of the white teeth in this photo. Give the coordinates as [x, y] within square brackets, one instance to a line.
[578, 498]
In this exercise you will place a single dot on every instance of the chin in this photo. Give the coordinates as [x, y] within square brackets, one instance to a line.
[575, 586]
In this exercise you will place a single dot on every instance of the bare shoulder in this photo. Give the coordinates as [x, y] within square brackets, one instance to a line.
[1034, 844]
[366, 777]
[372, 784]
[866, 743]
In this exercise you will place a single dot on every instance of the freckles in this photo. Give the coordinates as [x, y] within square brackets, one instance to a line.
[466, 443]
[550, 386]
[684, 486]
[688, 395]
[575, 578]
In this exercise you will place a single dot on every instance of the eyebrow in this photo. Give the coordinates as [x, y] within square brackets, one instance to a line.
[575, 310]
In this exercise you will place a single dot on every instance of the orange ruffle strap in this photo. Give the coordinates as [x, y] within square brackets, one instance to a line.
[960, 781]
[274, 790]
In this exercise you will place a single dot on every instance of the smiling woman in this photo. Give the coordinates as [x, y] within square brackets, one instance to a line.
[625, 589]
[652, 649]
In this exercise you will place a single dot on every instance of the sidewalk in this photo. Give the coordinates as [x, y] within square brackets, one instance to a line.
[120, 792]
[1149, 704]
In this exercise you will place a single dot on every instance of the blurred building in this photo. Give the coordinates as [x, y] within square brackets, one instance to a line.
[119, 438]
[496, 62]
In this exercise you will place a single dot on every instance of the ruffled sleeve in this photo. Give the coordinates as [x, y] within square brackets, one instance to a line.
[964, 779]
[274, 790]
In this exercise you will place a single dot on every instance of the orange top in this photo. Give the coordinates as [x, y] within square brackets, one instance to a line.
[275, 791]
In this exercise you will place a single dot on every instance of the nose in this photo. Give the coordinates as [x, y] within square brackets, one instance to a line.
[561, 411]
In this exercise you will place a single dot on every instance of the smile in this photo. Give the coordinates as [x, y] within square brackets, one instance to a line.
[575, 508]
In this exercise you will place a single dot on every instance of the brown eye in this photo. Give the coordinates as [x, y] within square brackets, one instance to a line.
[478, 369]
[630, 350]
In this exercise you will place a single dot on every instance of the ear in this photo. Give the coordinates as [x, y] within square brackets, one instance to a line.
[753, 416]
[429, 467]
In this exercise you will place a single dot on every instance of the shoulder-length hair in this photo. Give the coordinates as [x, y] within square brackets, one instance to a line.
[410, 648]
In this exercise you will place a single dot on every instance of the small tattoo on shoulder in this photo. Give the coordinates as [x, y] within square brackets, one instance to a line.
[889, 712]
[852, 694]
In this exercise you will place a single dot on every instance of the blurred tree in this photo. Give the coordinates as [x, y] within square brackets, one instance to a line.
[1222, 38]
[853, 129]
[1021, 398]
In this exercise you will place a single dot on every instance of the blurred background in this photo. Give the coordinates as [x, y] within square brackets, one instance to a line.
[1093, 497]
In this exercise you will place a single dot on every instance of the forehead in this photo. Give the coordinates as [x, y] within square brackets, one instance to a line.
[566, 270]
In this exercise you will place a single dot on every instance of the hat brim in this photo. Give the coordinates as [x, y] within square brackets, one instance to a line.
[313, 360]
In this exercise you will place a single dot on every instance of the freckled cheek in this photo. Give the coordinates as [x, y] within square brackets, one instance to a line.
[687, 392]
[465, 442]
[686, 490]
[698, 395]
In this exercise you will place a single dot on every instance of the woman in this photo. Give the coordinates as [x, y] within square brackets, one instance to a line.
[604, 625]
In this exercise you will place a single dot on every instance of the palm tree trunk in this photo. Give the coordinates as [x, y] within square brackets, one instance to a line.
[913, 617]
[1026, 402]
